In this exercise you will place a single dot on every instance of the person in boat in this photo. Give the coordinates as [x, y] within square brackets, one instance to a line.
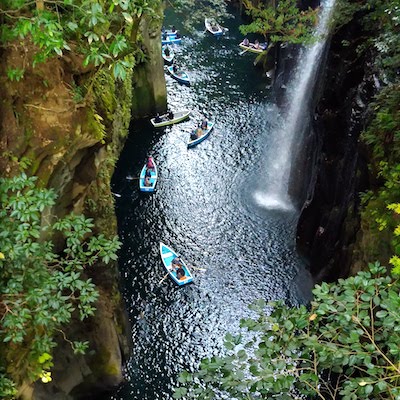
[149, 164]
[170, 114]
[204, 124]
[193, 135]
[173, 29]
[245, 41]
[177, 35]
[176, 263]
[199, 132]
[147, 173]
[214, 26]
[164, 36]
[158, 118]
[167, 51]
[147, 181]
[175, 69]
[180, 273]
[256, 44]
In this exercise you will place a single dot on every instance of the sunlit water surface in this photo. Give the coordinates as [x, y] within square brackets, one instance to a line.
[209, 206]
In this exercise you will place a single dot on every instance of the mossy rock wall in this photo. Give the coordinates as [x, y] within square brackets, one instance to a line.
[71, 143]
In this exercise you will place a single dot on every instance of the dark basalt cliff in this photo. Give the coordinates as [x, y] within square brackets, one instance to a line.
[330, 222]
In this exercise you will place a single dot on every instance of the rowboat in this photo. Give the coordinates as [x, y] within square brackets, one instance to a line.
[165, 120]
[170, 32]
[206, 133]
[153, 178]
[171, 40]
[168, 59]
[251, 47]
[214, 28]
[167, 255]
[180, 76]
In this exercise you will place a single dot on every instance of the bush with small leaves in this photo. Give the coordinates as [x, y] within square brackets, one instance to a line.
[346, 344]
[41, 290]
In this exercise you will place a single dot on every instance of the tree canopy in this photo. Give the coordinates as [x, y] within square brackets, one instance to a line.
[102, 33]
[347, 344]
[281, 22]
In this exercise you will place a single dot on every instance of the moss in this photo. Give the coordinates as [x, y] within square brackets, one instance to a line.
[94, 124]
[101, 364]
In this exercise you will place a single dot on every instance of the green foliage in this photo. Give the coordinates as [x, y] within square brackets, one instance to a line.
[15, 74]
[283, 23]
[381, 21]
[7, 387]
[42, 289]
[193, 11]
[346, 344]
[104, 33]
[78, 93]
[383, 131]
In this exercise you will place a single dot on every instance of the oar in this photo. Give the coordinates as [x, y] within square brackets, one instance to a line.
[199, 269]
[244, 51]
[163, 279]
[131, 178]
[116, 194]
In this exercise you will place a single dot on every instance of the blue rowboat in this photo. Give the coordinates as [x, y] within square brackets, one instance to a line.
[168, 59]
[180, 76]
[167, 255]
[170, 32]
[171, 40]
[206, 133]
[153, 178]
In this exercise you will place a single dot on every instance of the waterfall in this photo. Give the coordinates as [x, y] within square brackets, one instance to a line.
[300, 90]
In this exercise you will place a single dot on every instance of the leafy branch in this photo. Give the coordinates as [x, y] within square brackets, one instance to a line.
[42, 290]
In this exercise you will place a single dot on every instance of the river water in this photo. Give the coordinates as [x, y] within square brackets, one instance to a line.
[209, 207]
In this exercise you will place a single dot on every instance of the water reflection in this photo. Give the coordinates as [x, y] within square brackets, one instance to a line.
[206, 207]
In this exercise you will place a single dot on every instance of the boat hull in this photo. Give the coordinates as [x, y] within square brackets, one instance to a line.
[219, 30]
[167, 255]
[207, 132]
[178, 117]
[251, 49]
[171, 40]
[168, 59]
[153, 179]
[183, 78]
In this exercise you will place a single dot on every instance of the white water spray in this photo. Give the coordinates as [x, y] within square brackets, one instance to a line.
[279, 162]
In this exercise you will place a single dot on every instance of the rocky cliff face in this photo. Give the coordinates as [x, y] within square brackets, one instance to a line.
[329, 222]
[149, 89]
[68, 131]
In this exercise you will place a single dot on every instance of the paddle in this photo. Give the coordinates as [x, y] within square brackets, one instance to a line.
[163, 279]
[131, 178]
[199, 269]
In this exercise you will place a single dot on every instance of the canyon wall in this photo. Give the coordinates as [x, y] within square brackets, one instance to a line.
[329, 234]
[67, 125]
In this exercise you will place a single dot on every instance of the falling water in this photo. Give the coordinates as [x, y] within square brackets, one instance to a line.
[279, 163]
